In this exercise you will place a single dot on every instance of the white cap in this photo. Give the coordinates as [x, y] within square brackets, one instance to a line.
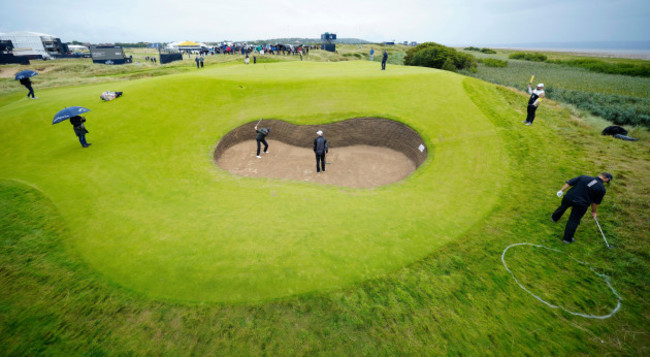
[541, 85]
[320, 132]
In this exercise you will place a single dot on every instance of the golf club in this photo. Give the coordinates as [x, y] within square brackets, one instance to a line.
[601, 232]
[258, 123]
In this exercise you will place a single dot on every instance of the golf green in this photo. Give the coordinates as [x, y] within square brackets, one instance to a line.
[147, 207]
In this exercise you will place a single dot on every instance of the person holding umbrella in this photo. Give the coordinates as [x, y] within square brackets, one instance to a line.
[23, 77]
[77, 121]
[80, 129]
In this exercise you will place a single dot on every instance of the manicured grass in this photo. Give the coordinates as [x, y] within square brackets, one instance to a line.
[456, 298]
[148, 208]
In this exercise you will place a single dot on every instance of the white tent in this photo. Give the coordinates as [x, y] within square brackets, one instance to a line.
[78, 48]
[32, 43]
[187, 45]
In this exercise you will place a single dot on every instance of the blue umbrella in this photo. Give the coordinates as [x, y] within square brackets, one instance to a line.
[25, 74]
[68, 113]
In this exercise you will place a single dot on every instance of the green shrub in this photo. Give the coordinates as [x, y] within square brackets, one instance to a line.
[619, 109]
[526, 56]
[594, 65]
[488, 51]
[431, 54]
[449, 65]
[492, 62]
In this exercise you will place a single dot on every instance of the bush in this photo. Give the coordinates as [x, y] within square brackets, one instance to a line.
[431, 54]
[488, 51]
[619, 109]
[594, 65]
[449, 65]
[492, 62]
[535, 57]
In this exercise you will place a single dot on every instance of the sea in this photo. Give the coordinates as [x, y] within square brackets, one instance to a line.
[616, 49]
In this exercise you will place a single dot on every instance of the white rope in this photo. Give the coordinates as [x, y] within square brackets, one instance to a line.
[604, 277]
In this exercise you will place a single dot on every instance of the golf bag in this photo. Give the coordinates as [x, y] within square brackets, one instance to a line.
[618, 132]
[108, 95]
[614, 130]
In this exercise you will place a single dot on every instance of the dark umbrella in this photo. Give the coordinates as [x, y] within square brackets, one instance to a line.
[68, 113]
[25, 74]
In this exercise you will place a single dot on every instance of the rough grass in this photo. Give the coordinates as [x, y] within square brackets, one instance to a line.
[457, 300]
[621, 99]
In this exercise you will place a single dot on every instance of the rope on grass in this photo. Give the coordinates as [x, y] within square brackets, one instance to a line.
[603, 276]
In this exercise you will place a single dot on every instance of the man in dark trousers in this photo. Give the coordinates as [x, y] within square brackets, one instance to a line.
[585, 191]
[28, 84]
[533, 102]
[80, 129]
[384, 58]
[320, 149]
[261, 138]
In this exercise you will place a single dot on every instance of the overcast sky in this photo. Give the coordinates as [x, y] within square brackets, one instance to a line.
[450, 22]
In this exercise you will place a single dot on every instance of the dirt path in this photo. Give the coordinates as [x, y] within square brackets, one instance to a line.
[350, 166]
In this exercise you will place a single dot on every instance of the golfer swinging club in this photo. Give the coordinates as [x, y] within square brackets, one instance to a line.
[320, 149]
[261, 138]
[585, 191]
[535, 98]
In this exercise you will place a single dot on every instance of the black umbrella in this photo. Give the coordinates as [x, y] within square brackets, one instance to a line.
[68, 113]
[25, 74]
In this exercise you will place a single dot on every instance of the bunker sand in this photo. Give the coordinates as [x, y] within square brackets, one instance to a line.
[364, 152]
[359, 166]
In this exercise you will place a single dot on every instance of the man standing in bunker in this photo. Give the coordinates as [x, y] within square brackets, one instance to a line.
[261, 138]
[320, 149]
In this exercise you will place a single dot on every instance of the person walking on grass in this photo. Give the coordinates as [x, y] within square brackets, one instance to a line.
[261, 138]
[585, 191]
[320, 149]
[28, 84]
[80, 129]
[384, 58]
[533, 102]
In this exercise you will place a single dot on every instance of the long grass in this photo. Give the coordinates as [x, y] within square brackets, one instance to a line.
[620, 99]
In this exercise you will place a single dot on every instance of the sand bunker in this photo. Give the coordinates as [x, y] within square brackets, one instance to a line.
[364, 152]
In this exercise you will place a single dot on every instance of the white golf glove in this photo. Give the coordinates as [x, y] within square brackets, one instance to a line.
[560, 193]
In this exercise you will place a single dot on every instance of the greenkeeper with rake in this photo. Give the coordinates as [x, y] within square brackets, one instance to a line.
[585, 191]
